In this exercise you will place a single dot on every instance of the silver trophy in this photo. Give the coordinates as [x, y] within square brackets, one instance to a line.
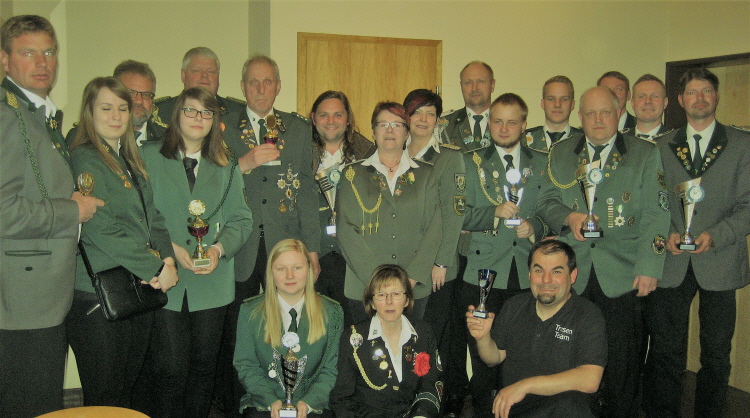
[589, 175]
[328, 181]
[691, 193]
[486, 279]
[292, 370]
[513, 194]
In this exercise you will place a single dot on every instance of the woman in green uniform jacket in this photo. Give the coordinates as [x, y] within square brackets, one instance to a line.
[387, 210]
[127, 231]
[191, 164]
[290, 319]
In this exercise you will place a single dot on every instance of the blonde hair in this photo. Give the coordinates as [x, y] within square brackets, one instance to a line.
[270, 308]
[86, 134]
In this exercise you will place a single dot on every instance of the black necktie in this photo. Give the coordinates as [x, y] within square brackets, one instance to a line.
[293, 324]
[555, 136]
[698, 156]
[478, 127]
[190, 164]
[598, 152]
[509, 161]
[262, 131]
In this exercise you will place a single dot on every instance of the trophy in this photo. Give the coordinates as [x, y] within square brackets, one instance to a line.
[513, 194]
[198, 228]
[486, 279]
[589, 175]
[691, 193]
[272, 136]
[85, 183]
[292, 371]
[327, 181]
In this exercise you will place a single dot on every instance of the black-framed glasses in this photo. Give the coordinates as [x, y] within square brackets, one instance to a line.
[394, 295]
[191, 113]
[147, 95]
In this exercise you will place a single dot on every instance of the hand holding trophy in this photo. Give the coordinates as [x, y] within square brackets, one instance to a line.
[691, 193]
[292, 370]
[272, 136]
[85, 182]
[513, 194]
[198, 228]
[486, 279]
[589, 175]
[327, 181]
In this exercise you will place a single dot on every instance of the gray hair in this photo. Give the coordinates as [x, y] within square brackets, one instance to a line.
[261, 58]
[200, 51]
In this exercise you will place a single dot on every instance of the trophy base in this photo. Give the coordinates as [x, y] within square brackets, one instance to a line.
[513, 222]
[592, 234]
[479, 314]
[687, 247]
[331, 229]
[201, 262]
[272, 163]
[288, 413]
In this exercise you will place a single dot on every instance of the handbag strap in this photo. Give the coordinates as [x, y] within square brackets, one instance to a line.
[89, 270]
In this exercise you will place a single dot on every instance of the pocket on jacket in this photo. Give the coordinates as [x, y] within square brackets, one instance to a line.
[27, 253]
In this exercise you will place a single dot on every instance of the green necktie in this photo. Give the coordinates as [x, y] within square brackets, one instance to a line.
[477, 127]
[293, 314]
[262, 132]
[698, 157]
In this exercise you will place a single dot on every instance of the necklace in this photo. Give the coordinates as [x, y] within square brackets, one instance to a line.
[390, 169]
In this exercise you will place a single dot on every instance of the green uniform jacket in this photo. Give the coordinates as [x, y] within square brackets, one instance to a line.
[496, 251]
[405, 230]
[450, 175]
[230, 226]
[535, 137]
[724, 212]
[363, 148]
[283, 198]
[632, 246]
[458, 132]
[119, 233]
[161, 113]
[253, 358]
[37, 236]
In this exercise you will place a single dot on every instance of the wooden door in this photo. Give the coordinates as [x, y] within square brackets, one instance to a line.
[367, 69]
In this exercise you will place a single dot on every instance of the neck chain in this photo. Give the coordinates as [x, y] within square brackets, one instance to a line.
[390, 169]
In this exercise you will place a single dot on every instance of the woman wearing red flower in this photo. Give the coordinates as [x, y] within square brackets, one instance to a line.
[388, 367]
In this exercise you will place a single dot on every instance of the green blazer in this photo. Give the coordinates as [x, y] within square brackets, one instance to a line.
[230, 226]
[494, 248]
[633, 181]
[253, 358]
[408, 226]
[283, 207]
[458, 132]
[535, 137]
[120, 232]
[450, 174]
[39, 236]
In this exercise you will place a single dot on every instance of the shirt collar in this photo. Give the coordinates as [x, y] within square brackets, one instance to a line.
[433, 142]
[50, 108]
[470, 113]
[650, 133]
[286, 307]
[705, 134]
[376, 330]
[566, 130]
[254, 116]
[405, 163]
[623, 119]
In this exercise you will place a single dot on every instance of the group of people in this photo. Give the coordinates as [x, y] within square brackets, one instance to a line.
[338, 275]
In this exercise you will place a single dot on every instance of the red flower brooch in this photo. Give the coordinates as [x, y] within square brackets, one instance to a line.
[422, 364]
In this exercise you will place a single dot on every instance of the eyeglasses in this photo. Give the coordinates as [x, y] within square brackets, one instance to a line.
[191, 113]
[394, 125]
[393, 295]
[147, 95]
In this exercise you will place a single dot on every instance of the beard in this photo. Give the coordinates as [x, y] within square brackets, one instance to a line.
[546, 300]
[140, 116]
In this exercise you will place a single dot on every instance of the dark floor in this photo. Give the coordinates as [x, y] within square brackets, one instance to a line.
[738, 402]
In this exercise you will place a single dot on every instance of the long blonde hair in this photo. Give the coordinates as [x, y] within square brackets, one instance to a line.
[87, 134]
[270, 308]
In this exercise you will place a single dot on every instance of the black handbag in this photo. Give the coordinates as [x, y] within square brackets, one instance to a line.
[121, 294]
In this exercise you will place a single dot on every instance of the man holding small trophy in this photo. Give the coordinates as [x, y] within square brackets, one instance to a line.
[606, 197]
[502, 184]
[707, 171]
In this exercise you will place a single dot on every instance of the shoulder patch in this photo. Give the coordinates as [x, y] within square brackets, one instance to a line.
[252, 298]
[740, 128]
[328, 299]
[161, 99]
[11, 99]
[625, 131]
[236, 100]
[450, 146]
[657, 136]
[536, 128]
[448, 113]
[301, 117]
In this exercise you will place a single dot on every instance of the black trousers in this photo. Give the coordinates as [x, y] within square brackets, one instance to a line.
[668, 318]
[110, 355]
[32, 369]
[185, 347]
[228, 389]
[624, 323]
[485, 381]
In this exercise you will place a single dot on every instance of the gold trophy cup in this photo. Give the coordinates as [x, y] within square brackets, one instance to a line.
[589, 175]
[272, 136]
[691, 193]
[198, 228]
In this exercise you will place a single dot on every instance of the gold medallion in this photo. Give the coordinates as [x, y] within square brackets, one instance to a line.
[383, 365]
[282, 208]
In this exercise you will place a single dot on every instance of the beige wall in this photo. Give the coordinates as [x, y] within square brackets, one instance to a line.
[525, 42]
